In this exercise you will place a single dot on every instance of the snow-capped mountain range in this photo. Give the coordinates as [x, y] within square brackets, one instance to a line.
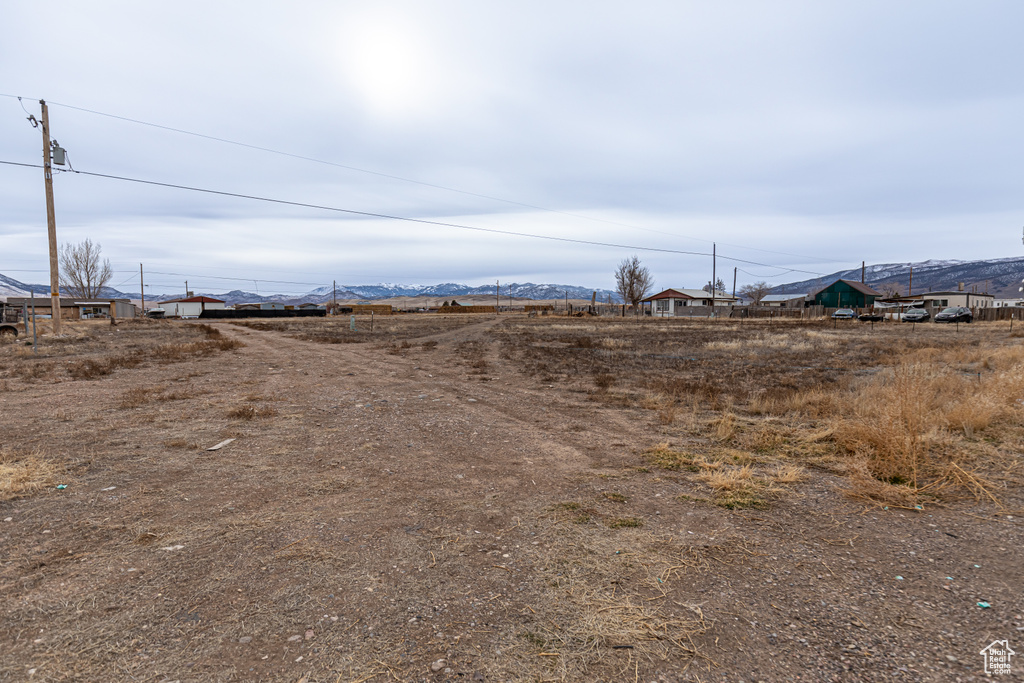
[1000, 277]
[12, 287]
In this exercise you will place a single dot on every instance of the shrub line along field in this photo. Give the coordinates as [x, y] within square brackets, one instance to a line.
[510, 498]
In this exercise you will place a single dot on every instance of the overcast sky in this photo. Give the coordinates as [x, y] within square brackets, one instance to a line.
[798, 135]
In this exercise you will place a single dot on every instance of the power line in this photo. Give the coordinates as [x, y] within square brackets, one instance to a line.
[422, 221]
[784, 271]
[240, 279]
[125, 281]
[410, 180]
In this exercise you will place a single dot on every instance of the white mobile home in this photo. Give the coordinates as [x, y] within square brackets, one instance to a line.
[190, 307]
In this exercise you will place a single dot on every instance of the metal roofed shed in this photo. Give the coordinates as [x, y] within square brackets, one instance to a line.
[784, 300]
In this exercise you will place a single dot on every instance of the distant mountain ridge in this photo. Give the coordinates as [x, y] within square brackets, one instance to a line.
[999, 277]
[528, 290]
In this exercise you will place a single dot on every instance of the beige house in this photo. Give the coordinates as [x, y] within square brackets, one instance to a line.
[958, 298]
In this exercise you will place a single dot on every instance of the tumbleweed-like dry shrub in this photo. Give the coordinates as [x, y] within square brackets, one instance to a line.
[724, 428]
[25, 473]
[908, 423]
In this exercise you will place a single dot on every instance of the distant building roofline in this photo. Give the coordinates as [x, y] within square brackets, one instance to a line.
[193, 300]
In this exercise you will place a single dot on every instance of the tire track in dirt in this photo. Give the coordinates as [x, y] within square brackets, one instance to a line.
[493, 407]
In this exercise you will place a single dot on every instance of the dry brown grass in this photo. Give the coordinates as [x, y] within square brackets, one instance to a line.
[663, 456]
[912, 424]
[249, 411]
[21, 474]
[880, 402]
[604, 609]
[724, 428]
[85, 352]
[816, 401]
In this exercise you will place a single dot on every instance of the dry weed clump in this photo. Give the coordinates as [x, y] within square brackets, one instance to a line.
[587, 624]
[909, 424]
[24, 474]
[136, 396]
[766, 439]
[667, 414]
[139, 396]
[736, 479]
[664, 457]
[37, 370]
[251, 412]
[817, 401]
[737, 488]
[574, 512]
[724, 428]
[625, 523]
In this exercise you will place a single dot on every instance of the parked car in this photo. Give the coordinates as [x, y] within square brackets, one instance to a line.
[845, 313]
[955, 314]
[916, 315]
[871, 317]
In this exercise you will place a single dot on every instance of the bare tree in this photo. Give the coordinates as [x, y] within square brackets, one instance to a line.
[891, 290]
[633, 281]
[755, 291]
[719, 286]
[81, 273]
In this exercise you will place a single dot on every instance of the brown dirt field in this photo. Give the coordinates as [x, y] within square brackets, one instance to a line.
[498, 498]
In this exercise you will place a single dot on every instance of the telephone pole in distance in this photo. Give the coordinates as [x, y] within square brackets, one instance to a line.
[51, 224]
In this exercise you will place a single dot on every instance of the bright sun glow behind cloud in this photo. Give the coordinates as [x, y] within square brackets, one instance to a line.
[390, 66]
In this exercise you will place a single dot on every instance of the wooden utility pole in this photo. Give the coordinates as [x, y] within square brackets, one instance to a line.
[497, 296]
[734, 282]
[862, 272]
[35, 340]
[334, 306]
[51, 225]
[910, 288]
[142, 288]
[713, 279]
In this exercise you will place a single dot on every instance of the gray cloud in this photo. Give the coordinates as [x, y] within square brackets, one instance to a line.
[837, 131]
